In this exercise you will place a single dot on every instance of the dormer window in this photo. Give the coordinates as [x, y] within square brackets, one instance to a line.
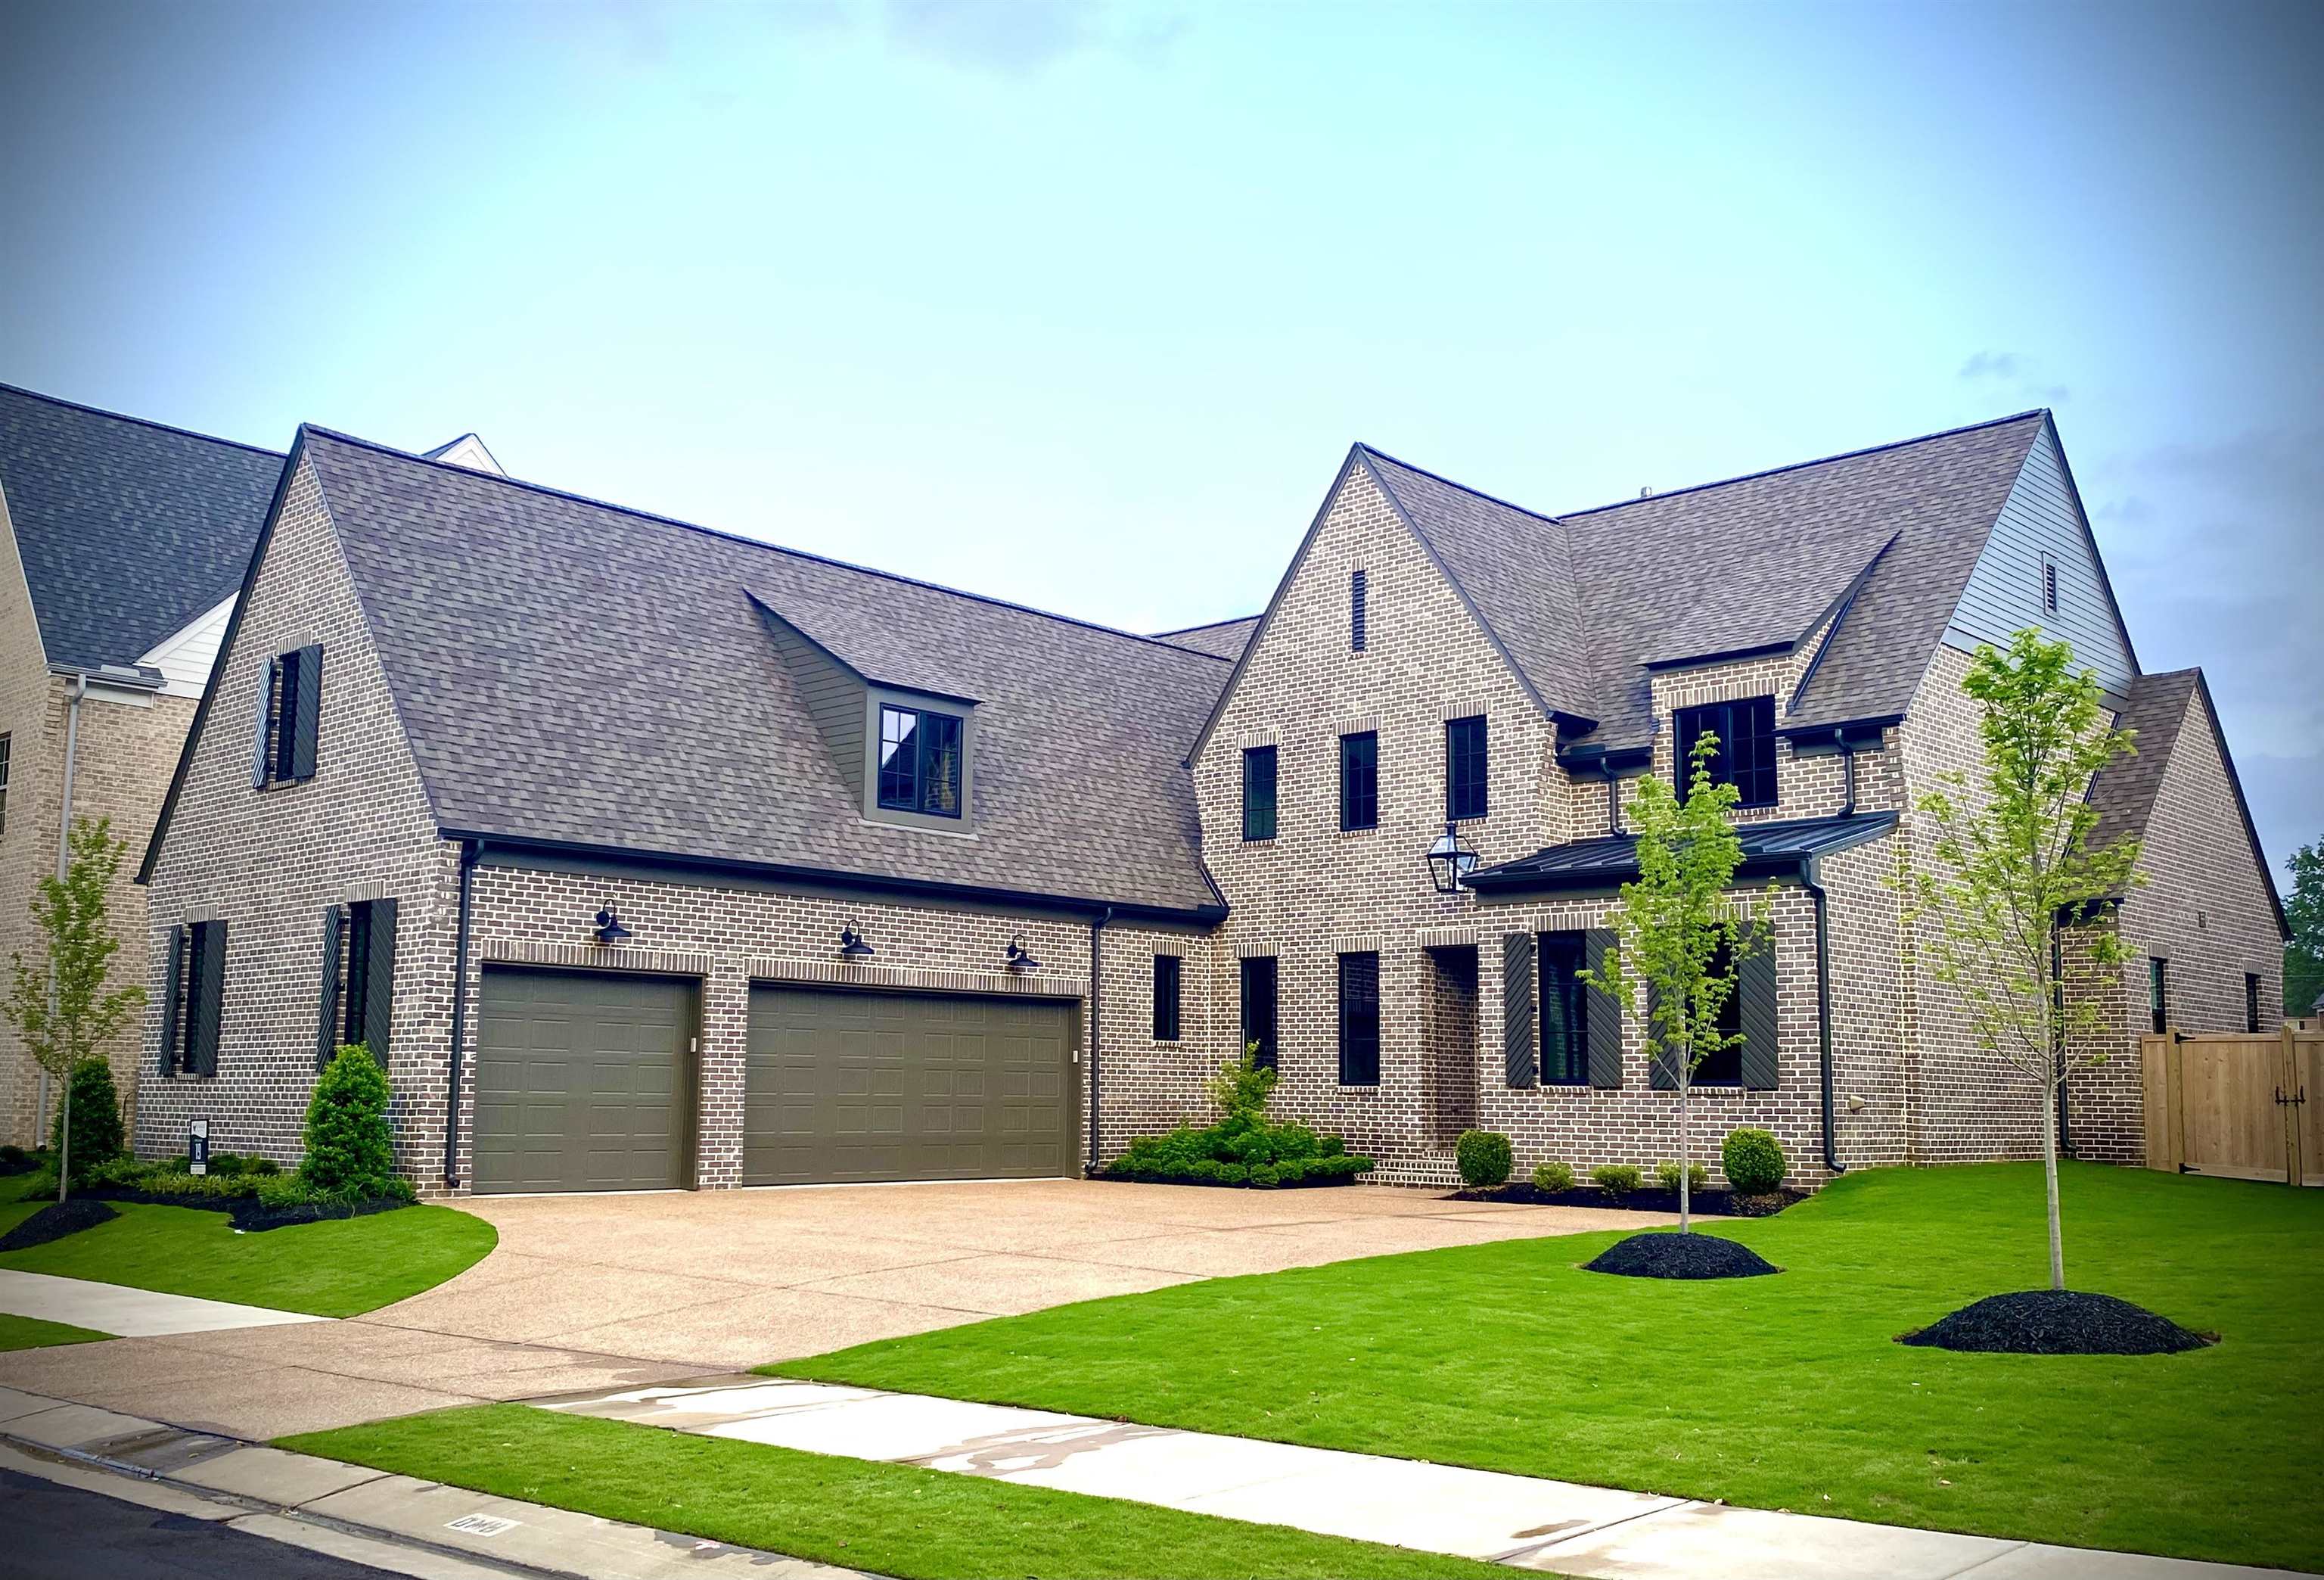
[1745, 755]
[920, 761]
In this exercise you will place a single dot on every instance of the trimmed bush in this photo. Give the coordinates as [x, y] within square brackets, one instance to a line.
[1482, 1156]
[1553, 1177]
[96, 1134]
[1754, 1161]
[350, 1149]
[1617, 1178]
[1698, 1177]
[1242, 1148]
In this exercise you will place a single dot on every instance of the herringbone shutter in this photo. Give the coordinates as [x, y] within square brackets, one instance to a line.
[326, 1034]
[1517, 1008]
[1602, 1014]
[261, 759]
[306, 714]
[173, 995]
[379, 979]
[1662, 1072]
[204, 998]
[1754, 991]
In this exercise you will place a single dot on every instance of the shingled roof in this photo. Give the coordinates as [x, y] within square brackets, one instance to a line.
[574, 674]
[1223, 639]
[128, 530]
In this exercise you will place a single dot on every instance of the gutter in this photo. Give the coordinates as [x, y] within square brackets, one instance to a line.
[1096, 998]
[1810, 878]
[469, 852]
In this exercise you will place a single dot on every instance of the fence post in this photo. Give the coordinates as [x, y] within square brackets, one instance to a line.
[2293, 1168]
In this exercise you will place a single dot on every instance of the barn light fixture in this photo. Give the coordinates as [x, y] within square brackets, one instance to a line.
[852, 946]
[1019, 959]
[609, 929]
[1451, 860]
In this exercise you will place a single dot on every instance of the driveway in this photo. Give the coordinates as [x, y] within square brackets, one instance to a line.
[598, 1292]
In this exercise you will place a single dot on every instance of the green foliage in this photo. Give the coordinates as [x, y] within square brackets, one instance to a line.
[98, 1137]
[2303, 954]
[1243, 1087]
[350, 1147]
[1242, 1148]
[1618, 1178]
[1696, 1177]
[1753, 1162]
[1482, 1156]
[1553, 1177]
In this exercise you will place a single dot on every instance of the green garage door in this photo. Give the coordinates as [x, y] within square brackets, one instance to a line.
[846, 1086]
[582, 1081]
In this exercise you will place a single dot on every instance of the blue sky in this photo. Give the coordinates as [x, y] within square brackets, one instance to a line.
[1082, 306]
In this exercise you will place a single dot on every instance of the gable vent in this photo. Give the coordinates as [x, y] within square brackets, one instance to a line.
[1356, 591]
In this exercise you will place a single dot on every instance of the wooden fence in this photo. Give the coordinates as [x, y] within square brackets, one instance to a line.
[2246, 1106]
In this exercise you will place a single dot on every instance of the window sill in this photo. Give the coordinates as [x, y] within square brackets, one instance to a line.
[1247, 839]
[1366, 1089]
[1369, 828]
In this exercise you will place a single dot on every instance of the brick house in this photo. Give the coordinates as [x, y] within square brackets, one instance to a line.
[654, 858]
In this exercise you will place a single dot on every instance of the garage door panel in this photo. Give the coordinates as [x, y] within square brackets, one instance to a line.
[846, 1086]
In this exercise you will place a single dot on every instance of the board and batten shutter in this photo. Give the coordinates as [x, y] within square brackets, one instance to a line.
[1601, 1013]
[173, 995]
[326, 1033]
[379, 979]
[259, 757]
[1662, 1072]
[305, 714]
[1517, 1009]
[1754, 991]
[205, 997]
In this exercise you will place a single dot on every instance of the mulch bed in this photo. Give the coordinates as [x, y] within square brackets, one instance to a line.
[56, 1221]
[9, 1166]
[2057, 1322]
[248, 1214]
[1317, 1184]
[1667, 1255]
[1719, 1203]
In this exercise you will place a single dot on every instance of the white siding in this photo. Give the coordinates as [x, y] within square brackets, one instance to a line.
[2004, 594]
[185, 659]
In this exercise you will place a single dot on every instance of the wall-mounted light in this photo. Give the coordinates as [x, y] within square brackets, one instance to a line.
[1451, 860]
[1019, 959]
[852, 946]
[609, 929]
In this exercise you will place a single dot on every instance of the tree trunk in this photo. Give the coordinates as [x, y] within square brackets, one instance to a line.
[1685, 1224]
[2050, 1178]
[64, 1149]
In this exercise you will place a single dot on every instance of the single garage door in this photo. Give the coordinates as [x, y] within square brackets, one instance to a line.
[582, 1080]
[847, 1087]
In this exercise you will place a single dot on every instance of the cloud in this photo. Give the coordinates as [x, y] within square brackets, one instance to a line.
[1991, 365]
[1018, 37]
[2011, 368]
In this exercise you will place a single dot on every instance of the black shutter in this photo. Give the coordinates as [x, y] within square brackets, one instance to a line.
[1662, 1071]
[379, 978]
[1754, 991]
[306, 714]
[261, 758]
[205, 997]
[1602, 1014]
[173, 995]
[1517, 1008]
[326, 1035]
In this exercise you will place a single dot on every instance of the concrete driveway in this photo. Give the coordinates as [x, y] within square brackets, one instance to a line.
[590, 1292]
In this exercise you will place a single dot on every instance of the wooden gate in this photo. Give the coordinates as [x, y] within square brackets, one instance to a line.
[2244, 1106]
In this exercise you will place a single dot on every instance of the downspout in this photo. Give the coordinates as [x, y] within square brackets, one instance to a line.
[64, 854]
[469, 850]
[1810, 878]
[1097, 982]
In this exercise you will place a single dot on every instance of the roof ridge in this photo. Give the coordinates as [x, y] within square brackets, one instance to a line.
[647, 515]
[1870, 450]
[140, 422]
[1379, 454]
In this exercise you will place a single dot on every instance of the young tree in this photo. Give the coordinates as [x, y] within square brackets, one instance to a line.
[58, 1003]
[1671, 927]
[2017, 871]
[2303, 956]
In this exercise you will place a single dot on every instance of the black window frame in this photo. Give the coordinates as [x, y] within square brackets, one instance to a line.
[1728, 1062]
[1743, 750]
[1169, 985]
[1468, 767]
[2251, 1002]
[1359, 1018]
[290, 717]
[1261, 980]
[919, 797]
[1564, 1008]
[194, 1003]
[1359, 590]
[1359, 782]
[2158, 993]
[1262, 791]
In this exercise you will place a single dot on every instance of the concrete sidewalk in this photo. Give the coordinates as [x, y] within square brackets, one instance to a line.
[1523, 1521]
[118, 1309]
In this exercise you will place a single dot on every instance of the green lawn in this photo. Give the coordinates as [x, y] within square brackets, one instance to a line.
[337, 1268]
[893, 1519]
[29, 1332]
[1781, 1392]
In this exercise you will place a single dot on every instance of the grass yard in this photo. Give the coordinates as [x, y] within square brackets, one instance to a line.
[337, 1268]
[1779, 1392]
[894, 1519]
[29, 1332]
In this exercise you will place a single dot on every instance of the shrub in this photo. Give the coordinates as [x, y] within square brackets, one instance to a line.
[1754, 1161]
[13, 1154]
[96, 1134]
[1482, 1156]
[1241, 1088]
[1617, 1178]
[350, 1149]
[1553, 1177]
[1242, 1148]
[1698, 1177]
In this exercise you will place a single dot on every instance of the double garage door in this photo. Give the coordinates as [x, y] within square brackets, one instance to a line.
[585, 1081]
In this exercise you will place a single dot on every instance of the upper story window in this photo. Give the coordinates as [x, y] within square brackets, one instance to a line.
[919, 761]
[1258, 792]
[1746, 753]
[290, 718]
[1357, 587]
[1359, 780]
[2049, 585]
[1169, 976]
[1464, 768]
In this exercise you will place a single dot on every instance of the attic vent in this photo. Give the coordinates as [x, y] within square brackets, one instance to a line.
[2049, 585]
[1356, 590]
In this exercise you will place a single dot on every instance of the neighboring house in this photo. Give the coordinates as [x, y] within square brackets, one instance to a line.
[121, 545]
[650, 857]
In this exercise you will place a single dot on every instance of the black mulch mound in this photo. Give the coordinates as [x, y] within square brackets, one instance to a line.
[1680, 1256]
[56, 1221]
[2057, 1322]
[19, 1164]
[1718, 1203]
